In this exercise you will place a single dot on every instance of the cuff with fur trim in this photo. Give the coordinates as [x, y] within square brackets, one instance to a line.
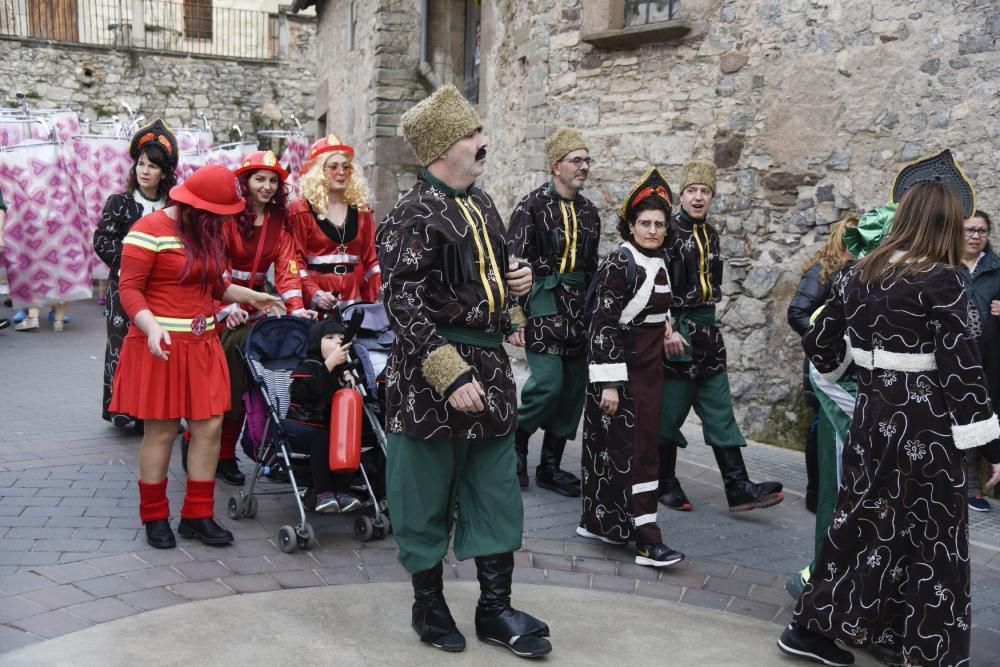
[976, 434]
[442, 367]
[517, 319]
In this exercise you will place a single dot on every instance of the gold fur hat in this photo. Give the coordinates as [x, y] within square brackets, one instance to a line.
[437, 122]
[695, 172]
[564, 141]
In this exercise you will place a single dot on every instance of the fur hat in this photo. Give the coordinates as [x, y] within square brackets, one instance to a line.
[437, 122]
[563, 141]
[702, 173]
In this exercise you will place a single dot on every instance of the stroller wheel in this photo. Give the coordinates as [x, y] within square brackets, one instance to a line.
[287, 539]
[233, 509]
[307, 538]
[252, 506]
[364, 529]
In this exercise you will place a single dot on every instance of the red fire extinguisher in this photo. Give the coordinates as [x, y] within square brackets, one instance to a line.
[345, 430]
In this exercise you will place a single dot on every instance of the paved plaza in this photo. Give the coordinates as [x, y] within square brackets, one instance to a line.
[73, 555]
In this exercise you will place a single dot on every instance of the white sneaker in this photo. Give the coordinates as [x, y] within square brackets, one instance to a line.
[583, 532]
[27, 324]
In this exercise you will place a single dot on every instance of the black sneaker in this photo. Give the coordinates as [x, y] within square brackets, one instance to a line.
[979, 504]
[656, 555]
[799, 642]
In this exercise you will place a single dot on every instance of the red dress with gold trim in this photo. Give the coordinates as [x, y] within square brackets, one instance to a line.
[193, 382]
[338, 260]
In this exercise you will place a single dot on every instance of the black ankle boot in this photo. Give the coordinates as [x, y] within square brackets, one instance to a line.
[431, 618]
[548, 474]
[206, 531]
[228, 471]
[521, 449]
[673, 496]
[499, 623]
[159, 535]
[742, 494]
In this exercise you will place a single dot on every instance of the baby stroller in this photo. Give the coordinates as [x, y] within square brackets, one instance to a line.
[271, 352]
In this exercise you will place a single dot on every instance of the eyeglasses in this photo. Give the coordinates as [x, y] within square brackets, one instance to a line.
[580, 161]
[334, 168]
[658, 225]
[972, 233]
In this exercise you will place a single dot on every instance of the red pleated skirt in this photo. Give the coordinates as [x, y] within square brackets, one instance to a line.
[192, 383]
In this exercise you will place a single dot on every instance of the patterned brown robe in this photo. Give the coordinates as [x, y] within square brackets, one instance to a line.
[443, 258]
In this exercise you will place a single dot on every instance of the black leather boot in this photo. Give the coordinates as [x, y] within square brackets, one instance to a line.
[521, 449]
[206, 531]
[670, 492]
[742, 494]
[499, 623]
[431, 618]
[548, 474]
[159, 535]
[229, 471]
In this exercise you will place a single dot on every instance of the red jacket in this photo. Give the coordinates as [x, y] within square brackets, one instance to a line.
[342, 261]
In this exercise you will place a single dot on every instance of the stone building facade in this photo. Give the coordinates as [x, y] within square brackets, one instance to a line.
[95, 79]
[808, 107]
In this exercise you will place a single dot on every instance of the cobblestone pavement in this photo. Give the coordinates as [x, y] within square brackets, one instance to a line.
[72, 553]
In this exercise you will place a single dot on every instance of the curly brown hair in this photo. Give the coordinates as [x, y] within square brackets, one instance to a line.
[833, 256]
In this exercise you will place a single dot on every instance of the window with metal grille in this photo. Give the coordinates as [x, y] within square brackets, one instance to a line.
[198, 19]
[644, 12]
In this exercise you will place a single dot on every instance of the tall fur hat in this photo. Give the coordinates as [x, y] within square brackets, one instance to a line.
[563, 141]
[437, 122]
[701, 173]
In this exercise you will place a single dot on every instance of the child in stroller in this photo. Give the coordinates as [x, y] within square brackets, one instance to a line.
[314, 382]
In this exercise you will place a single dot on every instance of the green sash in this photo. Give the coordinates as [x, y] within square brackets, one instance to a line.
[468, 336]
[703, 315]
[542, 300]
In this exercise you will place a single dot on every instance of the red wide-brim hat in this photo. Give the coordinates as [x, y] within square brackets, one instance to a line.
[262, 160]
[211, 188]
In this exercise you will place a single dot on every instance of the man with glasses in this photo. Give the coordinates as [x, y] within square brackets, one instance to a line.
[981, 270]
[695, 369]
[556, 230]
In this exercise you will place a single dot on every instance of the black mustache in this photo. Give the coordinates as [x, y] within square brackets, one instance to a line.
[481, 154]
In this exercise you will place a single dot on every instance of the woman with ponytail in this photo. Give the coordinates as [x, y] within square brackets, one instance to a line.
[172, 365]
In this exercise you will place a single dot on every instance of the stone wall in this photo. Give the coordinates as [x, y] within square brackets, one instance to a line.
[95, 80]
[809, 107]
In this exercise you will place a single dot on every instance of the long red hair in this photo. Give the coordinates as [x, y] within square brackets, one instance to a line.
[204, 244]
[277, 207]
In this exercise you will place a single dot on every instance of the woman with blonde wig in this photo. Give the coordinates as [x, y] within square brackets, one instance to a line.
[335, 229]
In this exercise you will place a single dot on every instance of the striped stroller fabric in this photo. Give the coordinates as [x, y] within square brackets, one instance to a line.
[278, 384]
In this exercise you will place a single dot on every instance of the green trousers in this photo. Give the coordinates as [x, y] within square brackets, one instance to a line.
[426, 479]
[712, 402]
[552, 397]
[836, 402]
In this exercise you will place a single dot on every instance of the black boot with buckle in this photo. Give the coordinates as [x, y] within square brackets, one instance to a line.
[742, 494]
[499, 623]
[521, 449]
[431, 618]
[548, 474]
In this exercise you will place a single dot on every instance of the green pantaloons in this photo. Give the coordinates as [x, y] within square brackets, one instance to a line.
[712, 402]
[427, 478]
[552, 397]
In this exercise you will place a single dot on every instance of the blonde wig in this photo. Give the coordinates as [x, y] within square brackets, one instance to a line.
[314, 186]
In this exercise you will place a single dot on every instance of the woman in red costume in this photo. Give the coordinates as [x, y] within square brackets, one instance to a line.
[335, 229]
[259, 236]
[172, 365]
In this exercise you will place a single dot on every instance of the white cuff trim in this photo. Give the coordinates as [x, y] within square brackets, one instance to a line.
[608, 372]
[643, 519]
[975, 434]
[225, 312]
[645, 487]
[291, 293]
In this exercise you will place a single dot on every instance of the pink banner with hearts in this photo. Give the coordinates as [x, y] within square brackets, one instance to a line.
[100, 166]
[48, 248]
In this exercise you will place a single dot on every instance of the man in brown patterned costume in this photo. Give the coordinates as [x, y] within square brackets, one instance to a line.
[451, 405]
[556, 230]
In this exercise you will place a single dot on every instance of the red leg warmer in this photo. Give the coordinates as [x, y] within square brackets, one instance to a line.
[230, 434]
[153, 504]
[199, 501]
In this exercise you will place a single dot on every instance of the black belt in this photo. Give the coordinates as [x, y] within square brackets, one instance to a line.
[339, 269]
